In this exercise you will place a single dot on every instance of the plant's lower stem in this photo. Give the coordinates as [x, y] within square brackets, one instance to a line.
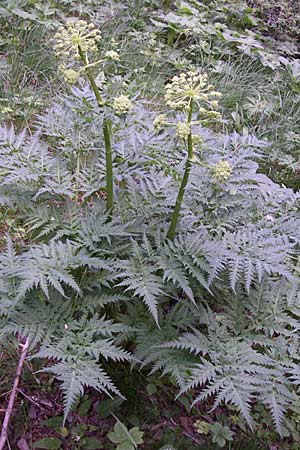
[185, 179]
[77, 179]
[106, 133]
[175, 216]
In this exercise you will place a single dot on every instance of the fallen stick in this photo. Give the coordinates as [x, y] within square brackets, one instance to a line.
[3, 436]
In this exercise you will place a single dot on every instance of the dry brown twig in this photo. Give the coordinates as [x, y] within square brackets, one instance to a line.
[12, 397]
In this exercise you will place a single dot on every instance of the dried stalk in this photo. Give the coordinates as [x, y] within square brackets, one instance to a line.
[3, 436]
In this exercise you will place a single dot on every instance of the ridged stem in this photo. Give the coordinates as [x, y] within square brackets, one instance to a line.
[185, 179]
[108, 164]
[106, 133]
[90, 76]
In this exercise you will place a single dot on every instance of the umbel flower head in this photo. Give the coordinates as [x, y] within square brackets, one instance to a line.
[209, 114]
[76, 34]
[159, 122]
[113, 55]
[187, 86]
[70, 76]
[121, 105]
[182, 130]
[197, 140]
[221, 171]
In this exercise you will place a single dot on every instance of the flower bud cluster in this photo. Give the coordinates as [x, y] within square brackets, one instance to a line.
[122, 105]
[70, 76]
[76, 34]
[159, 122]
[209, 114]
[182, 130]
[113, 55]
[221, 171]
[197, 140]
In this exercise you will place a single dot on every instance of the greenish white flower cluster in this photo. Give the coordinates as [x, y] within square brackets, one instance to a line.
[122, 105]
[221, 171]
[208, 114]
[113, 55]
[190, 92]
[74, 41]
[182, 130]
[75, 35]
[197, 140]
[70, 76]
[159, 122]
[190, 86]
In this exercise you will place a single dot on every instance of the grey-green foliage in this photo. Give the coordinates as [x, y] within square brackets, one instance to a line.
[77, 348]
[217, 308]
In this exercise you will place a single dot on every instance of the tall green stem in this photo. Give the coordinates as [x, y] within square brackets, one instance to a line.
[109, 171]
[185, 179]
[90, 76]
[106, 133]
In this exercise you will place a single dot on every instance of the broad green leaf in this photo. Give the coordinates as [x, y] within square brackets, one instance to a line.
[84, 407]
[48, 443]
[55, 423]
[136, 435]
[125, 446]
[121, 435]
[151, 388]
[91, 443]
[118, 435]
[107, 407]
